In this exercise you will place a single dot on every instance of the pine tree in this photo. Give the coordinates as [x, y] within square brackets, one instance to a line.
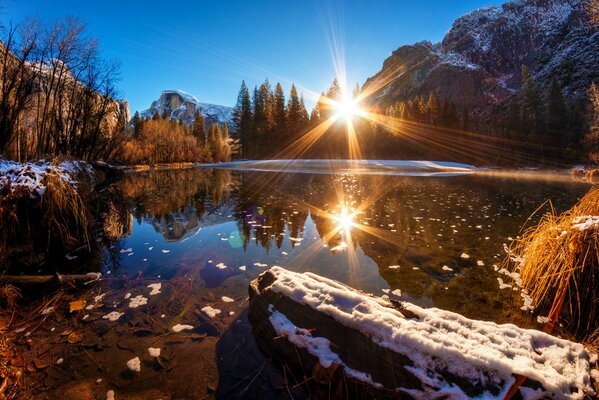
[242, 117]
[279, 110]
[305, 118]
[263, 110]
[294, 112]
[556, 115]
[137, 122]
[224, 143]
[198, 129]
[532, 103]
[432, 109]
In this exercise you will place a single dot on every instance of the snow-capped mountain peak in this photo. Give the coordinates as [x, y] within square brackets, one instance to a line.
[183, 106]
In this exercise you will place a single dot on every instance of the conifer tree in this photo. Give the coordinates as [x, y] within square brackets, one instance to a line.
[532, 103]
[304, 117]
[242, 117]
[294, 112]
[137, 121]
[556, 114]
[279, 110]
[198, 129]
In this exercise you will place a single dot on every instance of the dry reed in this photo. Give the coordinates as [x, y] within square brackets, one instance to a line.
[558, 262]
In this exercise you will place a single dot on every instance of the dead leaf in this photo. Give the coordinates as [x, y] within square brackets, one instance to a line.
[77, 305]
[75, 337]
[41, 363]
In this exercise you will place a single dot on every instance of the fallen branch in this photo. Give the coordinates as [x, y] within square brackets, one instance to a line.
[82, 279]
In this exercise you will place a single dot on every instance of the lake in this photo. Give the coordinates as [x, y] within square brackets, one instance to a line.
[203, 234]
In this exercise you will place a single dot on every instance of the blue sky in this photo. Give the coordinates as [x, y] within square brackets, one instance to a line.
[207, 47]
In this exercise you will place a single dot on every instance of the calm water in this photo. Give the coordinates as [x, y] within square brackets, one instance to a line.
[204, 234]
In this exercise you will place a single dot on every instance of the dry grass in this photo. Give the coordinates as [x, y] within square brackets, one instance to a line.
[560, 268]
[66, 215]
[9, 296]
[53, 223]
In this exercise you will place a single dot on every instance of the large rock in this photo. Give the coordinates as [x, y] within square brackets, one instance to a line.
[382, 349]
[478, 63]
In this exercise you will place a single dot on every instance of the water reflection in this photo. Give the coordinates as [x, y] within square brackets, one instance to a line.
[439, 239]
[203, 235]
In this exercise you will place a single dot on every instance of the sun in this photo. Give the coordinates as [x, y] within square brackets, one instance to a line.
[347, 108]
[345, 219]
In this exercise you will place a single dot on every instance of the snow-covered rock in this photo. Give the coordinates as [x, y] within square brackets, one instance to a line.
[426, 353]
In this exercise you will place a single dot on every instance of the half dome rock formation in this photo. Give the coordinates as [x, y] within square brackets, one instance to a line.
[183, 106]
[478, 63]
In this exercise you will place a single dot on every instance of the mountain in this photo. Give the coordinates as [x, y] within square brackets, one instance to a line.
[183, 106]
[478, 63]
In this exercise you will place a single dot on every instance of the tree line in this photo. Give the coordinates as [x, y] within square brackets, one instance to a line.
[267, 118]
[161, 139]
[57, 95]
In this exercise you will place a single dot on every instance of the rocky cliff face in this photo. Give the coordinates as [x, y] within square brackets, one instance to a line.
[478, 63]
[182, 106]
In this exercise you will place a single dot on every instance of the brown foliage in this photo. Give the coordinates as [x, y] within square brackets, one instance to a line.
[162, 141]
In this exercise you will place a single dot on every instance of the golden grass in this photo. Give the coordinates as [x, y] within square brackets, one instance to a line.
[55, 222]
[9, 296]
[559, 267]
[66, 216]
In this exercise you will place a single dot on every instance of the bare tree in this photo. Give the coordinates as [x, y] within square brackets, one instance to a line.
[57, 95]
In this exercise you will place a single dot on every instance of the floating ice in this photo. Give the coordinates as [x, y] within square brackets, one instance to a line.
[242, 268]
[227, 299]
[155, 288]
[110, 395]
[134, 364]
[165, 251]
[113, 316]
[257, 264]
[396, 292]
[393, 267]
[137, 301]
[220, 266]
[465, 256]
[446, 268]
[210, 312]
[180, 327]
[154, 351]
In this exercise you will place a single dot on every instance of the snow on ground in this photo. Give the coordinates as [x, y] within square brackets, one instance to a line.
[32, 176]
[483, 353]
